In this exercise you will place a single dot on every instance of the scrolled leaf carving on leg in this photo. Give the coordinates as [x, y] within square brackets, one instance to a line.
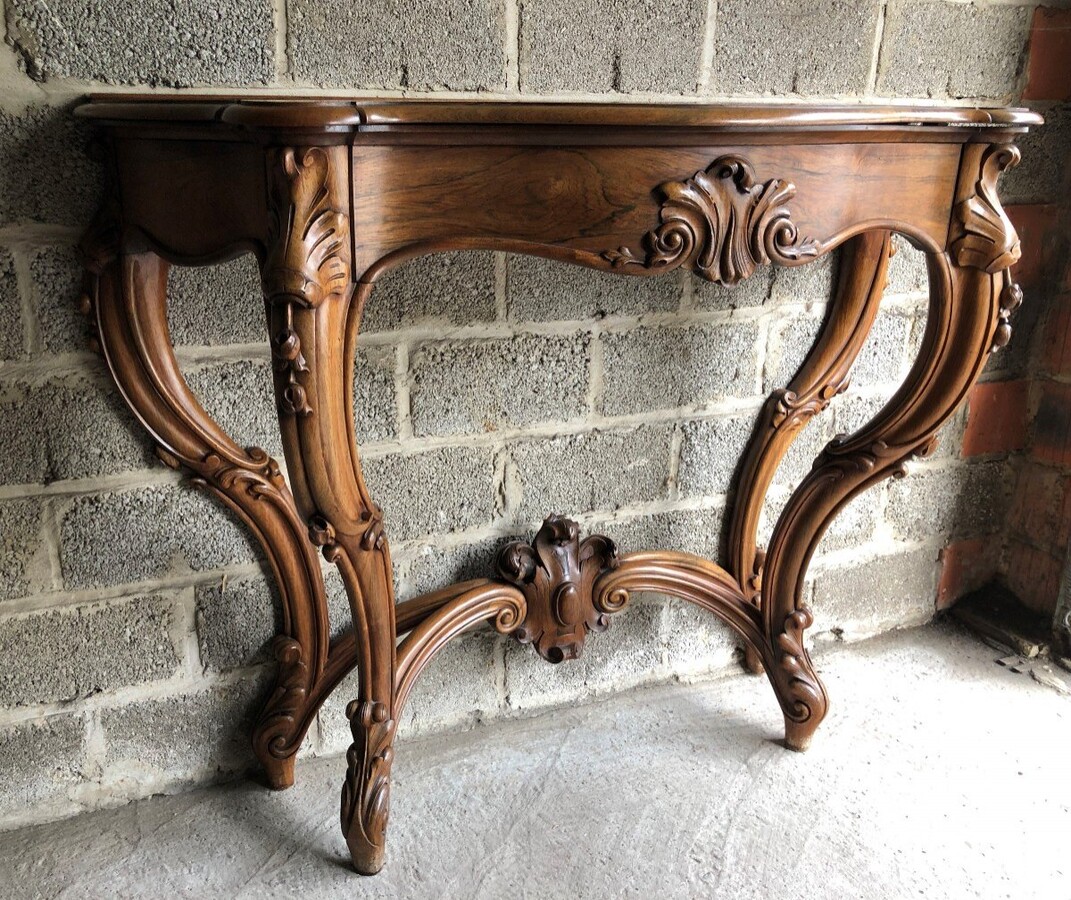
[366, 790]
[985, 237]
[556, 573]
[722, 224]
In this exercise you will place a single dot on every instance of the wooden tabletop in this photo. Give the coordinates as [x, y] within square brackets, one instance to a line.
[350, 114]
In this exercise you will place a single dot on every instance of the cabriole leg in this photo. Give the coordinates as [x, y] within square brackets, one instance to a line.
[971, 298]
[314, 309]
[126, 300]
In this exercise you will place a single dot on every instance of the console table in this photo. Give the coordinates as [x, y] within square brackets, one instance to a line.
[330, 194]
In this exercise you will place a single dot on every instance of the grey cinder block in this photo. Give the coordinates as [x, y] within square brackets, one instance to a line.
[40, 762]
[621, 45]
[458, 45]
[145, 41]
[785, 47]
[453, 288]
[236, 621]
[220, 304]
[434, 492]
[184, 737]
[545, 290]
[12, 344]
[46, 174]
[892, 591]
[479, 386]
[663, 368]
[710, 449]
[68, 654]
[934, 49]
[56, 278]
[23, 556]
[599, 470]
[175, 529]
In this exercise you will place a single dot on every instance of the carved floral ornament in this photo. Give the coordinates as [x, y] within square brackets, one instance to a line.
[308, 258]
[557, 574]
[722, 224]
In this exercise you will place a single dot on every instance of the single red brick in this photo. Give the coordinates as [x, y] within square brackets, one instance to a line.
[1033, 576]
[998, 418]
[967, 566]
[1037, 506]
[1063, 530]
[1052, 425]
[1048, 73]
[1035, 223]
[1056, 337]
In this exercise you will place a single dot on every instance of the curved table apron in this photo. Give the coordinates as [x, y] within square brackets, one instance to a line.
[330, 194]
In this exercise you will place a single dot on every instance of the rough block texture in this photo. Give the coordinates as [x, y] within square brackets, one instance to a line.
[240, 397]
[45, 174]
[623, 45]
[11, 328]
[454, 46]
[62, 655]
[960, 501]
[23, 561]
[158, 42]
[893, 591]
[229, 292]
[467, 386]
[601, 470]
[40, 762]
[710, 450]
[129, 537]
[434, 492]
[444, 288]
[627, 654]
[236, 621]
[71, 428]
[821, 48]
[430, 567]
[181, 737]
[663, 368]
[544, 290]
[937, 49]
[1040, 175]
[57, 280]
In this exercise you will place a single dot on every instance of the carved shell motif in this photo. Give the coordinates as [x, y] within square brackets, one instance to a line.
[556, 573]
[308, 246]
[722, 224]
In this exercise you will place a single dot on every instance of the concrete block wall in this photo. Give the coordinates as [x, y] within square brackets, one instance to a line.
[134, 612]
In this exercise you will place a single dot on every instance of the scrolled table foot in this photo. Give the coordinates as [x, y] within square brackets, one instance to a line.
[366, 791]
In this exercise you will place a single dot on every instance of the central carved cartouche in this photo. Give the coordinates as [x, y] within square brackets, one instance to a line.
[556, 572]
[721, 224]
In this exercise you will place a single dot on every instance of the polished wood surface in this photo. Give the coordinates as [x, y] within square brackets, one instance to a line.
[331, 193]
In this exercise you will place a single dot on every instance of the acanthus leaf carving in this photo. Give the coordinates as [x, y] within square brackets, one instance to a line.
[308, 257]
[804, 691]
[366, 790]
[986, 238]
[722, 224]
[556, 573]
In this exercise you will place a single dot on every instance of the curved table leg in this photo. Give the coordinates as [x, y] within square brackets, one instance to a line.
[126, 296]
[971, 297]
[314, 312]
[823, 375]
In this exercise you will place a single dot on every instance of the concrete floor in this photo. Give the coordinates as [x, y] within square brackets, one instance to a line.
[937, 774]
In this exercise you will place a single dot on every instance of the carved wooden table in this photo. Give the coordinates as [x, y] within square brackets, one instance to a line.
[331, 194]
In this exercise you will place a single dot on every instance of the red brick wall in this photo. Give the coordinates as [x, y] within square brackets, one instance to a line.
[1030, 416]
